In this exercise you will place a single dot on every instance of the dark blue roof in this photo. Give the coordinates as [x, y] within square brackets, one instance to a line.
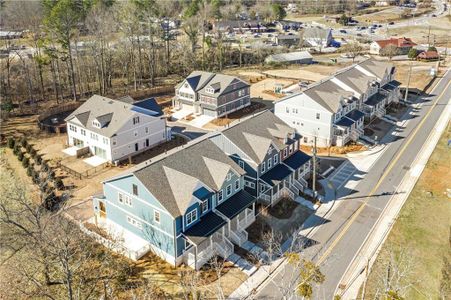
[206, 226]
[345, 122]
[193, 81]
[150, 104]
[296, 160]
[276, 174]
[355, 115]
[236, 204]
[202, 193]
[375, 99]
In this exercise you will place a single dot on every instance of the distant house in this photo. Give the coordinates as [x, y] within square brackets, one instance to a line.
[185, 207]
[288, 25]
[428, 55]
[287, 40]
[299, 57]
[9, 35]
[211, 94]
[116, 129]
[402, 44]
[240, 26]
[317, 37]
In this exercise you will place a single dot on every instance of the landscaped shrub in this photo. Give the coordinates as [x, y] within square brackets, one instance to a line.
[51, 174]
[29, 147]
[30, 170]
[58, 183]
[33, 153]
[25, 162]
[50, 200]
[23, 142]
[16, 149]
[35, 176]
[11, 142]
[38, 159]
[20, 156]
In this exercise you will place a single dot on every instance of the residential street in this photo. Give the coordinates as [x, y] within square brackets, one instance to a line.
[346, 228]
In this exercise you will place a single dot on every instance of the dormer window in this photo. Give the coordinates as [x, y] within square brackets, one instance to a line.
[210, 90]
[96, 124]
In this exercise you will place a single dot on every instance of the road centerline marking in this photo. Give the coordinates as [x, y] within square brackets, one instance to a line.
[357, 213]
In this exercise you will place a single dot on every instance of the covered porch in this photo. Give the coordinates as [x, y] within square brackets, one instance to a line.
[280, 183]
[239, 211]
[205, 240]
[375, 106]
[391, 90]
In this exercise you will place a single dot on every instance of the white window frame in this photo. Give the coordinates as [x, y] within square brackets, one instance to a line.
[128, 200]
[120, 197]
[83, 132]
[229, 176]
[263, 168]
[156, 216]
[135, 120]
[241, 164]
[203, 208]
[227, 190]
[276, 159]
[269, 163]
[190, 214]
[134, 222]
[133, 189]
[220, 196]
[237, 184]
[318, 116]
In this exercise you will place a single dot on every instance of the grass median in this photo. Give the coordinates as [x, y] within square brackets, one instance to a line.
[415, 261]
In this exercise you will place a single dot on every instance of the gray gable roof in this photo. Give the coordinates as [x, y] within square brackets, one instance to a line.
[328, 95]
[172, 179]
[222, 84]
[254, 135]
[378, 68]
[355, 79]
[112, 114]
[316, 33]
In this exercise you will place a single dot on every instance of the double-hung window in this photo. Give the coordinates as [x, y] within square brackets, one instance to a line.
[269, 163]
[220, 196]
[204, 206]
[156, 216]
[237, 184]
[135, 120]
[229, 190]
[134, 222]
[191, 216]
[241, 163]
[263, 167]
[276, 159]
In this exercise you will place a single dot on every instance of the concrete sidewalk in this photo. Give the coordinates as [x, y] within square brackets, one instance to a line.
[355, 275]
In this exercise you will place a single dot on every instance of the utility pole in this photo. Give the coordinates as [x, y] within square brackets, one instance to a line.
[408, 82]
[314, 168]
[429, 33]
[366, 279]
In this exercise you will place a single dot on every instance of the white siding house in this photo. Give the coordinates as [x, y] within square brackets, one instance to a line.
[116, 129]
[334, 109]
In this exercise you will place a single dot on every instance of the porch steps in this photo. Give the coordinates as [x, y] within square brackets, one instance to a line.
[367, 139]
[388, 120]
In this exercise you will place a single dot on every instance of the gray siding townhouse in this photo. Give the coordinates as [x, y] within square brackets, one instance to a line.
[211, 94]
[334, 109]
[186, 206]
[268, 150]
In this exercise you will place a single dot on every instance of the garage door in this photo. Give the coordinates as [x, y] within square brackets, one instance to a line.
[210, 113]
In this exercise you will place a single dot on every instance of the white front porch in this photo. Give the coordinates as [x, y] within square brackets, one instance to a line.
[236, 227]
[216, 244]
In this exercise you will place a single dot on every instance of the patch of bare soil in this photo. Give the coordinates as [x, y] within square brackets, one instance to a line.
[254, 107]
[283, 209]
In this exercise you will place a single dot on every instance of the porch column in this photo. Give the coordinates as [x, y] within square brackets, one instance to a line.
[245, 215]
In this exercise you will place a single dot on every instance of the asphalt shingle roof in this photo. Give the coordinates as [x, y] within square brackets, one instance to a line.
[328, 94]
[173, 179]
[112, 114]
[203, 229]
[296, 160]
[254, 135]
[236, 204]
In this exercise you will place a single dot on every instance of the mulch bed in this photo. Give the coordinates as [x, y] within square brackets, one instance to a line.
[283, 209]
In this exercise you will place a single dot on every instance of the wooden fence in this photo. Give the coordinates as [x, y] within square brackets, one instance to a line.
[82, 175]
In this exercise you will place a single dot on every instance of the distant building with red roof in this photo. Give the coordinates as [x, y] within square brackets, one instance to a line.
[428, 55]
[403, 45]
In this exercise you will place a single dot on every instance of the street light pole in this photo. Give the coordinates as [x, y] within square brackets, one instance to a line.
[314, 168]
[408, 82]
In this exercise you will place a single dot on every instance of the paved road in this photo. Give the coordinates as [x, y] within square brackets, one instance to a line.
[340, 237]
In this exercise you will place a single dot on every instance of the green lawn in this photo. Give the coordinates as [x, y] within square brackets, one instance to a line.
[421, 233]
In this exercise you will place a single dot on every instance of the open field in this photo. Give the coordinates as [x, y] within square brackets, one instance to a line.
[439, 34]
[420, 77]
[422, 232]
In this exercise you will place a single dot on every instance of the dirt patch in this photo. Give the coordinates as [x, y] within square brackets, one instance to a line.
[259, 89]
[283, 209]
[253, 108]
[258, 230]
[335, 150]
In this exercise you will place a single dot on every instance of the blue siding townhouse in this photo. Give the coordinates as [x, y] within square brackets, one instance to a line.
[268, 150]
[186, 206]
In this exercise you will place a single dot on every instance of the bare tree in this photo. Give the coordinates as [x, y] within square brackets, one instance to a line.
[389, 51]
[352, 49]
